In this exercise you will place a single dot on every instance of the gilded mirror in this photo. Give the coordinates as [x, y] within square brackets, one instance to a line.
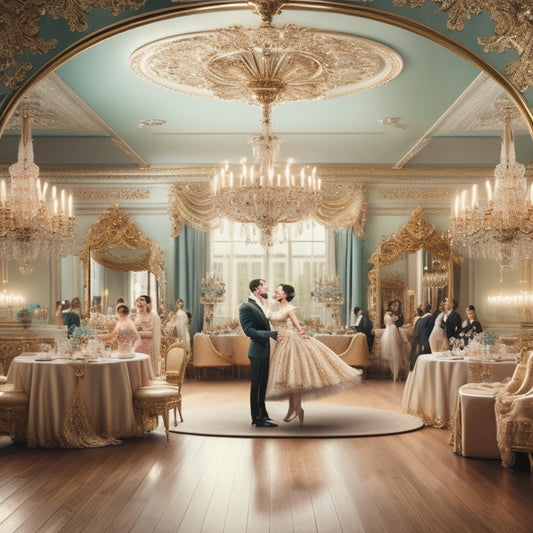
[116, 244]
[435, 263]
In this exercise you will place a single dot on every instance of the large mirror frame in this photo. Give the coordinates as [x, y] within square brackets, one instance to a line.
[115, 230]
[417, 234]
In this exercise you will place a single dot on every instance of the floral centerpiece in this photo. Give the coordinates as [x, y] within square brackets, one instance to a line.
[212, 292]
[80, 338]
[24, 316]
[327, 290]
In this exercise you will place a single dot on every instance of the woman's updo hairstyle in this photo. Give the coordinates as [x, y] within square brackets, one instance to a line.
[288, 290]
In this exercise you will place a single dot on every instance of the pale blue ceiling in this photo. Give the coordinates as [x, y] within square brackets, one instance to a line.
[204, 131]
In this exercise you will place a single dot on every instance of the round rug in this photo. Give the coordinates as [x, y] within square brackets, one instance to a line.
[320, 421]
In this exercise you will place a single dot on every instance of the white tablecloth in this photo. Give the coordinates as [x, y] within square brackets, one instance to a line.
[431, 388]
[80, 404]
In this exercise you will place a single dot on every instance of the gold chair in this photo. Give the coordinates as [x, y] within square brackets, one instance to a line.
[14, 413]
[156, 400]
[176, 360]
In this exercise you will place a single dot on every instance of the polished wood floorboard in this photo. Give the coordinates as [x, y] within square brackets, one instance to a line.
[398, 483]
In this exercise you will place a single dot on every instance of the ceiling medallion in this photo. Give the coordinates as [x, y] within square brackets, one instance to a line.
[266, 65]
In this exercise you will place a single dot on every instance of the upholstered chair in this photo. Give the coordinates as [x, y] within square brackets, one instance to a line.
[13, 412]
[156, 400]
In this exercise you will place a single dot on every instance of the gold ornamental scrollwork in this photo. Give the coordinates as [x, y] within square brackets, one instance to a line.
[23, 20]
[114, 229]
[513, 30]
[417, 234]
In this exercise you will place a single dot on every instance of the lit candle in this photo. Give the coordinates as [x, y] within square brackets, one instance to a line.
[63, 202]
[319, 184]
[70, 210]
[3, 192]
[231, 180]
[302, 178]
[54, 193]
[463, 200]
[489, 191]
[456, 205]
[278, 183]
[55, 206]
[474, 195]
[45, 188]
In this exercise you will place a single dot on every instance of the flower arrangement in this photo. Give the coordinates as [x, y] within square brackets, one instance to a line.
[213, 289]
[80, 337]
[328, 290]
[24, 316]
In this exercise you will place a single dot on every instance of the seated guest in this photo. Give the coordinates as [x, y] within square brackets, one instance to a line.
[471, 326]
[363, 324]
[70, 319]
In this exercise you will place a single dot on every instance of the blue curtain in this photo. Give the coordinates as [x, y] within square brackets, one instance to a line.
[350, 269]
[191, 260]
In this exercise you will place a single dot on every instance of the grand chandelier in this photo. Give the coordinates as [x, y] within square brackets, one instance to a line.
[500, 228]
[435, 276]
[33, 221]
[272, 200]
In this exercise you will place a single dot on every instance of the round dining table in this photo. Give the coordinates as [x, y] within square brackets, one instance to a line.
[431, 388]
[78, 403]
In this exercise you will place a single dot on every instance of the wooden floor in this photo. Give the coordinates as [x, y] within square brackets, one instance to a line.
[399, 483]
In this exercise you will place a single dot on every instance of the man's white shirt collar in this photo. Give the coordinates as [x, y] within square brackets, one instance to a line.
[259, 303]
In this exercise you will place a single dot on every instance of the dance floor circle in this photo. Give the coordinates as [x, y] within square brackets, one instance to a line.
[321, 421]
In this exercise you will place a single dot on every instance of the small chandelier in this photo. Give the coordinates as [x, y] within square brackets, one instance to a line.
[267, 196]
[435, 276]
[33, 223]
[501, 228]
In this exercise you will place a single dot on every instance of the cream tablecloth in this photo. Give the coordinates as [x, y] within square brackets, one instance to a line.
[77, 404]
[431, 388]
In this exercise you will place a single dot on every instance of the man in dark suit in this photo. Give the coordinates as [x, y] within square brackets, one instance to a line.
[363, 324]
[421, 334]
[254, 322]
[452, 319]
[70, 319]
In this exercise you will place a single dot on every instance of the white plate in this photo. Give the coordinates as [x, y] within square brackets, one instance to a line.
[126, 355]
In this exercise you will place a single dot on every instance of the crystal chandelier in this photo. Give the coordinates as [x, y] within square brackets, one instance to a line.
[501, 227]
[435, 276]
[265, 195]
[33, 222]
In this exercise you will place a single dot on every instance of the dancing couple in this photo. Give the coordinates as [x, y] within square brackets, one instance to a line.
[299, 366]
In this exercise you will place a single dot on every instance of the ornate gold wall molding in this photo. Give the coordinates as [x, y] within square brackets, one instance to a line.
[112, 193]
[513, 30]
[23, 20]
[416, 193]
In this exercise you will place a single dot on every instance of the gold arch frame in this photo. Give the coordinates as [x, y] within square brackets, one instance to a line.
[115, 229]
[313, 5]
[417, 234]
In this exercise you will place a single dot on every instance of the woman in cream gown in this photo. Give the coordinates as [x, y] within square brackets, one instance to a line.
[438, 341]
[125, 333]
[148, 325]
[395, 347]
[301, 366]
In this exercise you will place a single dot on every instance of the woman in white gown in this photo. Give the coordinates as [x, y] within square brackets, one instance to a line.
[178, 325]
[301, 366]
[395, 347]
[438, 341]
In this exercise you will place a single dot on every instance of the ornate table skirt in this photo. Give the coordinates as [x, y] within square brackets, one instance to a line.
[431, 388]
[75, 404]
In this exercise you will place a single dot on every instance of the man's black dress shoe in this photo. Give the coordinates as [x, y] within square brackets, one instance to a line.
[265, 424]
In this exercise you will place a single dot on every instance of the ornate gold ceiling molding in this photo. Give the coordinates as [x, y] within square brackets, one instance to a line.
[23, 20]
[112, 194]
[513, 30]
[266, 65]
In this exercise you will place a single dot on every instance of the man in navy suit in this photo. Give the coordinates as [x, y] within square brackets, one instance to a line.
[253, 316]
[70, 319]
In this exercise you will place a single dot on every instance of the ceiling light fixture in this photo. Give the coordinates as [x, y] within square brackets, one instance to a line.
[33, 222]
[501, 227]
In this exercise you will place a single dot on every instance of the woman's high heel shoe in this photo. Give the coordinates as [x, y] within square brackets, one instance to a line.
[300, 414]
[291, 415]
